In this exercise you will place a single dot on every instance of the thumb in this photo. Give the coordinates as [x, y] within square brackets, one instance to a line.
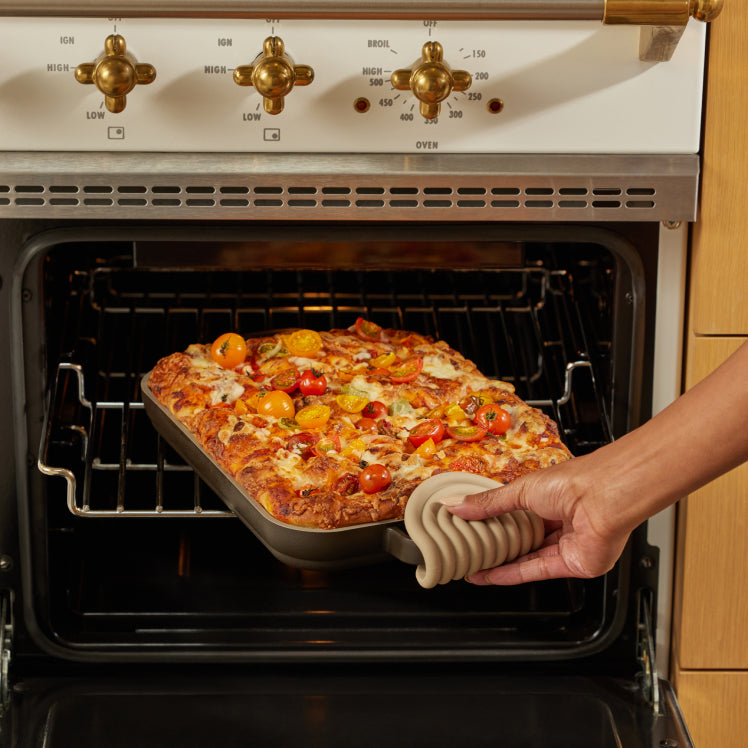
[485, 504]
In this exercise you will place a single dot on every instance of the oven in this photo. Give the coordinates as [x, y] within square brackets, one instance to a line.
[514, 178]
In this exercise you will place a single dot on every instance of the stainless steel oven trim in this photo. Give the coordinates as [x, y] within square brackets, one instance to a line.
[362, 187]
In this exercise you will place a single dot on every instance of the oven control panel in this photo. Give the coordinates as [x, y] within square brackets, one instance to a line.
[344, 86]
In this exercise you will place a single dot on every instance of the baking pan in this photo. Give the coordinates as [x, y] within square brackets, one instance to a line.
[302, 547]
[445, 547]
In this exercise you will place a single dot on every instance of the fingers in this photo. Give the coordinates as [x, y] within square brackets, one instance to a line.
[486, 503]
[534, 567]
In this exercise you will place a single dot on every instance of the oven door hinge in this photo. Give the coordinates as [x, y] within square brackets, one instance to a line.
[6, 642]
[645, 652]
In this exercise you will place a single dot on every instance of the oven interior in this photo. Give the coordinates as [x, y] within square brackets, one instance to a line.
[131, 556]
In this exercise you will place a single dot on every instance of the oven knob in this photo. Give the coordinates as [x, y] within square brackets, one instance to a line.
[273, 73]
[431, 80]
[115, 73]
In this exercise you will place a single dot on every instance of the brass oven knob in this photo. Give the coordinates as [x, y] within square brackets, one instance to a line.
[115, 73]
[431, 80]
[273, 73]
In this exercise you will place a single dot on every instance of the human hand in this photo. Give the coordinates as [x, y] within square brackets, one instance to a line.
[582, 539]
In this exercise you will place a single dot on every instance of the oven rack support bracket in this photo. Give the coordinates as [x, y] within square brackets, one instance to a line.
[6, 643]
[645, 646]
[91, 462]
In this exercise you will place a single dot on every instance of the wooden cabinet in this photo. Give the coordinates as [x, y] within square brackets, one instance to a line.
[710, 622]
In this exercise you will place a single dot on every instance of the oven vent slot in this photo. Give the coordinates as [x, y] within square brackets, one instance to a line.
[384, 187]
[98, 437]
[490, 202]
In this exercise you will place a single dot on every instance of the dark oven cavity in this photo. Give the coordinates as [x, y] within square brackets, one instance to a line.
[131, 555]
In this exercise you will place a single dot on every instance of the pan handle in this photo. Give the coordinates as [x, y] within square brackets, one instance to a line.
[399, 544]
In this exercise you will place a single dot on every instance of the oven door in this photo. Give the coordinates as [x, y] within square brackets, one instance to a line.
[336, 707]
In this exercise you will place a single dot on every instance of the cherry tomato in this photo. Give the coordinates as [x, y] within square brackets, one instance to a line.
[426, 450]
[369, 331]
[277, 404]
[374, 478]
[374, 409]
[302, 444]
[351, 403]
[313, 416]
[407, 371]
[312, 382]
[466, 433]
[383, 361]
[303, 342]
[286, 380]
[493, 418]
[229, 350]
[346, 484]
[432, 429]
[328, 443]
[369, 425]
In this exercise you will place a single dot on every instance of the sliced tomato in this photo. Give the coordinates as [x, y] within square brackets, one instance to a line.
[407, 371]
[328, 443]
[432, 429]
[466, 433]
[426, 450]
[369, 331]
[302, 443]
[303, 342]
[312, 382]
[374, 478]
[313, 416]
[384, 361]
[493, 418]
[286, 380]
[374, 409]
[351, 403]
[277, 404]
[346, 485]
[229, 350]
[368, 425]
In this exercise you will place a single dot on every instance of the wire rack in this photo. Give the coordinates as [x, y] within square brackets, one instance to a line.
[544, 330]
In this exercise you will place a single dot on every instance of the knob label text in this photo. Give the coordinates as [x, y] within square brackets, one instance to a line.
[379, 43]
[427, 145]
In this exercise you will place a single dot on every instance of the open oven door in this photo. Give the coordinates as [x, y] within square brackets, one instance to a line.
[435, 706]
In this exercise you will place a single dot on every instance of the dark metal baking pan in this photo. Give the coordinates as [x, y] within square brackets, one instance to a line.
[306, 548]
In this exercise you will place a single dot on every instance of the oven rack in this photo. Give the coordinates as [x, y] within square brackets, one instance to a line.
[98, 467]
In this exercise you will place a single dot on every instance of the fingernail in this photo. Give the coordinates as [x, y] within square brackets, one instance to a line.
[452, 501]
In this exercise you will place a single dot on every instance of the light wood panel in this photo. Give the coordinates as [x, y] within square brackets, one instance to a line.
[720, 247]
[711, 615]
[714, 706]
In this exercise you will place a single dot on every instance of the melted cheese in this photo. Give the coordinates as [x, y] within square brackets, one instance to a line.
[225, 391]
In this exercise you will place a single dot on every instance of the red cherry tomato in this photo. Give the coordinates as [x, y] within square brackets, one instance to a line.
[312, 382]
[374, 478]
[286, 380]
[368, 425]
[432, 429]
[328, 443]
[229, 350]
[374, 409]
[347, 484]
[407, 371]
[493, 418]
[302, 444]
[466, 433]
[369, 331]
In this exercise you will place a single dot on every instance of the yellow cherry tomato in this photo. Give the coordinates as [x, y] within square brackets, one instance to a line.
[277, 404]
[354, 449]
[426, 450]
[303, 342]
[351, 403]
[229, 350]
[314, 416]
[384, 361]
[454, 413]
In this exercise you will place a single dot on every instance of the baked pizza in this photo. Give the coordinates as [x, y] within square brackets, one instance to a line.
[337, 428]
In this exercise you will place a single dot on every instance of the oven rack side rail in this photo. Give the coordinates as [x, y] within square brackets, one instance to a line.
[70, 381]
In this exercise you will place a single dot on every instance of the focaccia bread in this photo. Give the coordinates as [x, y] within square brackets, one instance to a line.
[337, 428]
